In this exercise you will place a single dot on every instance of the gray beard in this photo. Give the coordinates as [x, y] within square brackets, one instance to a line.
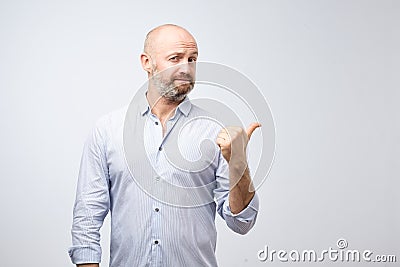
[169, 90]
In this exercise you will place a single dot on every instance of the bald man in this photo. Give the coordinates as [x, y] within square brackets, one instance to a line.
[147, 230]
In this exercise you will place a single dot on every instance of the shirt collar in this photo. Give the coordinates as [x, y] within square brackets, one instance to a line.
[185, 106]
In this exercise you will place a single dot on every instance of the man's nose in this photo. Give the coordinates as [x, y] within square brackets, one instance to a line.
[188, 68]
[184, 68]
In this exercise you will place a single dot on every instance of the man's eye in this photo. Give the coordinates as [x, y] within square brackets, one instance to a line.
[192, 59]
[173, 58]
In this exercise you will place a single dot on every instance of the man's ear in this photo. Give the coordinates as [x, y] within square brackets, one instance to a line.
[145, 59]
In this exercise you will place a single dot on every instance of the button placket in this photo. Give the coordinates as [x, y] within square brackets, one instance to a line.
[156, 234]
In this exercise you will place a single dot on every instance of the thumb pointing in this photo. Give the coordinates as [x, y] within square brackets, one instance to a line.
[251, 128]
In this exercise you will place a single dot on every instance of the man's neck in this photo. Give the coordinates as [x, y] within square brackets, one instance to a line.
[160, 106]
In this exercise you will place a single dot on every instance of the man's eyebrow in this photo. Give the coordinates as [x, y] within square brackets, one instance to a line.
[194, 54]
[180, 53]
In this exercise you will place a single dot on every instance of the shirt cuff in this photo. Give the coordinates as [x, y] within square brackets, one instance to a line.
[85, 254]
[247, 214]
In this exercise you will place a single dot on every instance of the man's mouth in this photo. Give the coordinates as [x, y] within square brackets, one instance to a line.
[183, 81]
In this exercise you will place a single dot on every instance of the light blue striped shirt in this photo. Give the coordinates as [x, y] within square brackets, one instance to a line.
[146, 231]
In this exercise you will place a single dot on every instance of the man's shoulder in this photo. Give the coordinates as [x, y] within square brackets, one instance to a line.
[205, 117]
[196, 111]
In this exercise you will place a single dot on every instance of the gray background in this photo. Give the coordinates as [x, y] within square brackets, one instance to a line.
[329, 70]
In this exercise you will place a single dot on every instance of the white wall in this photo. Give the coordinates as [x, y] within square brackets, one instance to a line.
[329, 69]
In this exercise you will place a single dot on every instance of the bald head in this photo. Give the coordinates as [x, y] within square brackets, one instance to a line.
[166, 35]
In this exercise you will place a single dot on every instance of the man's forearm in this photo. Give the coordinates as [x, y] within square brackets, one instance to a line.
[242, 192]
[233, 142]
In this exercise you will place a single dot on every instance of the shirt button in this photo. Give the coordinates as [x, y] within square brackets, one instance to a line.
[156, 242]
[156, 122]
[157, 178]
[160, 148]
[156, 209]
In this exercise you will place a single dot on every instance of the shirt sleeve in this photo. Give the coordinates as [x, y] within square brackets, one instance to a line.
[243, 221]
[92, 201]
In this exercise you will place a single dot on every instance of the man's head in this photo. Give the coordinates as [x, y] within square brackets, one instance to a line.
[169, 57]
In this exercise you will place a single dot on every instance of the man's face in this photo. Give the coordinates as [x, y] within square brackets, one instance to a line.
[174, 64]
